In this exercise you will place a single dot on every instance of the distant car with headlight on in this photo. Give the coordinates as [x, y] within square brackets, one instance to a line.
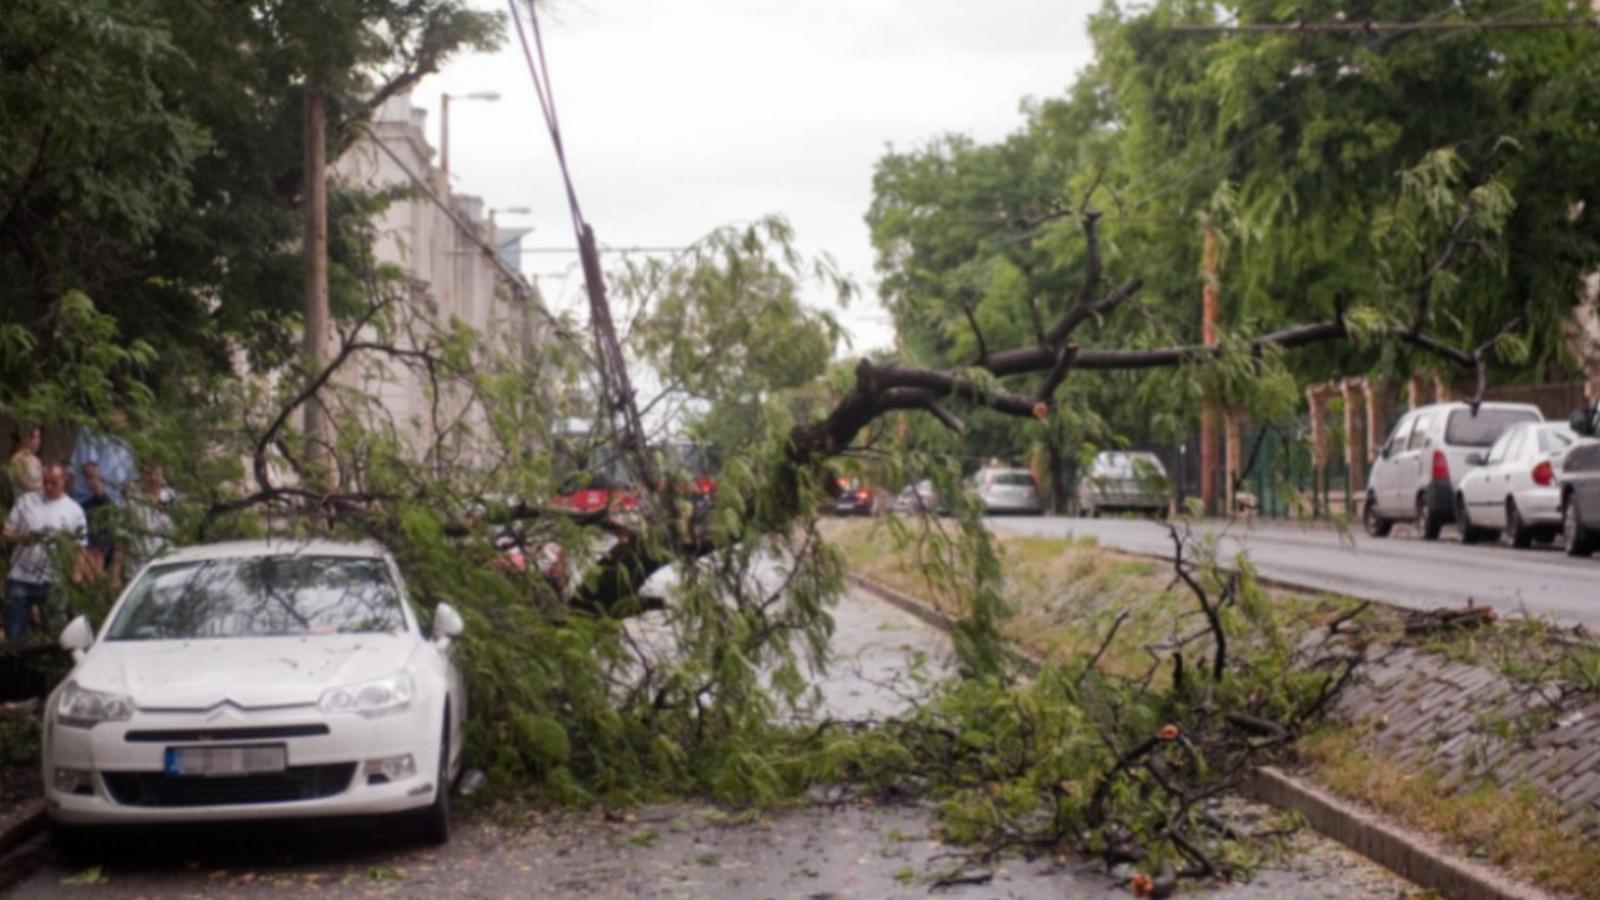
[257, 680]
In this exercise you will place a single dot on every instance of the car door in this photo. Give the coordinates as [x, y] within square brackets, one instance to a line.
[1413, 466]
[1385, 468]
[1487, 495]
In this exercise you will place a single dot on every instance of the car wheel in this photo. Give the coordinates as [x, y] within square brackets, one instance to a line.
[1580, 540]
[435, 820]
[1376, 525]
[1517, 532]
[1428, 524]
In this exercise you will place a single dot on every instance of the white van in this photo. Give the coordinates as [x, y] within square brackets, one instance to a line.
[1416, 473]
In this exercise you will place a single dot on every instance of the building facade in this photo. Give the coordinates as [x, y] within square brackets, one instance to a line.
[437, 238]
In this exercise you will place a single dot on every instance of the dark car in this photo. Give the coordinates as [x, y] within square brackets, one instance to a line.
[1580, 485]
[857, 499]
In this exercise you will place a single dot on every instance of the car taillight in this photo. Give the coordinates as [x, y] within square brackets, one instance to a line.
[705, 485]
[1544, 474]
[1441, 466]
[862, 495]
[630, 502]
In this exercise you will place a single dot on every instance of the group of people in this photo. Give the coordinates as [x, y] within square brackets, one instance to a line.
[94, 517]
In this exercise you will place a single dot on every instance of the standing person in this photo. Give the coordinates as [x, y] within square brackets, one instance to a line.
[34, 521]
[151, 526]
[100, 514]
[107, 451]
[24, 469]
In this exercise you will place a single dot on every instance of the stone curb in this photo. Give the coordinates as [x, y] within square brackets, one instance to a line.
[932, 617]
[1415, 857]
[22, 847]
[1418, 859]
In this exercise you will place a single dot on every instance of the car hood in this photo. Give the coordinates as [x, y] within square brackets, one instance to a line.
[247, 672]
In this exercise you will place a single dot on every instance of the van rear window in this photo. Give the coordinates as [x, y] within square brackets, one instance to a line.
[1467, 430]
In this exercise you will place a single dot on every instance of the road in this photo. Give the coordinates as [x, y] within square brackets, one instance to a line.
[1401, 569]
[690, 850]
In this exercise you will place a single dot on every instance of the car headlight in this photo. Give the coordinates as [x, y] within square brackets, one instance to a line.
[372, 699]
[83, 708]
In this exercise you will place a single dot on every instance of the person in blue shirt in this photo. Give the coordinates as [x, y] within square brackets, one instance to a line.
[110, 454]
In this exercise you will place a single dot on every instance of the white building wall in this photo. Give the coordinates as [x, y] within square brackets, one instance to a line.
[452, 280]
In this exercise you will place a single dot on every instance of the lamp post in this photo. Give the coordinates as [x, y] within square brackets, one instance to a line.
[444, 124]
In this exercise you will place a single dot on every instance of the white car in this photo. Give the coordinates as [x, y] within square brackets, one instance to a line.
[1007, 491]
[257, 680]
[1118, 480]
[1515, 489]
[1419, 466]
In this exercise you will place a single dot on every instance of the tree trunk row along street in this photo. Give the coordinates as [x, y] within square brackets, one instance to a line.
[1400, 570]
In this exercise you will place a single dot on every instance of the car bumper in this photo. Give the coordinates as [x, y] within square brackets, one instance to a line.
[125, 780]
[1540, 506]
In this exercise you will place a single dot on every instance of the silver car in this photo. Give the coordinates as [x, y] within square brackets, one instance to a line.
[1007, 491]
[1124, 481]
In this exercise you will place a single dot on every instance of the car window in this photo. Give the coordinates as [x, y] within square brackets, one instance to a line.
[1419, 432]
[260, 596]
[1014, 479]
[1555, 441]
[1502, 447]
[1402, 431]
[1463, 429]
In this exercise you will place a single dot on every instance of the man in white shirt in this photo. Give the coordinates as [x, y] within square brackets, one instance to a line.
[35, 522]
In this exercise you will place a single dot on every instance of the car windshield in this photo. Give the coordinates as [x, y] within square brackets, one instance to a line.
[1467, 430]
[260, 596]
[1013, 479]
[1129, 465]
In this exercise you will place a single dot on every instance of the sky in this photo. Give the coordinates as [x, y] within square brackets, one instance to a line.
[683, 116]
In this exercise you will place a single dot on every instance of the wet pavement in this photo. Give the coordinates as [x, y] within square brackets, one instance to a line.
[1401, 570]
[688, 850]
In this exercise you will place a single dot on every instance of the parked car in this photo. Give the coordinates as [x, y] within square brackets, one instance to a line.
[857, 498]
[1121, 481]
[1514, 490]
[1421, 464]
[1007, 491]
[919, 498]
[257, 680]
[1580, 485]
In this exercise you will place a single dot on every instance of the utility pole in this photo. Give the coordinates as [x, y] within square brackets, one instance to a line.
[1210, 306]
[316, 253]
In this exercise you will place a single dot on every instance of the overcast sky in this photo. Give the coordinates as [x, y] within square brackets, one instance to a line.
[686, 115]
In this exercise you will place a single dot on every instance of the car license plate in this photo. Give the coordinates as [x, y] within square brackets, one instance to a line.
[223, 761]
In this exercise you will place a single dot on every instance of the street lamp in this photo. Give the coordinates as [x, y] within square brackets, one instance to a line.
[444, 124]
[508, 210]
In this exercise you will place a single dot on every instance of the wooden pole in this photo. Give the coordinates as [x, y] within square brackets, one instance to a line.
[1209, 414]
[316, 267]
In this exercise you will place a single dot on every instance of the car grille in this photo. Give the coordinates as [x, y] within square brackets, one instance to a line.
[191, 735]
[294, 783]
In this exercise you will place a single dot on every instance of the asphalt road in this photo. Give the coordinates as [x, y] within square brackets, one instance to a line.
[841, 849]
[1401, 569]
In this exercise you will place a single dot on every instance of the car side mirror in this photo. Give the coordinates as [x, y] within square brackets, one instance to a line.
[447, 623]
[1582, 421]
[77, 637]
[1386, 451]
[1476, 459]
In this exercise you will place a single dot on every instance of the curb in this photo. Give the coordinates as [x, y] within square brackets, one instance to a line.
[1420, 860]
[22, 847]
[1414, 857]
[932, 617]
